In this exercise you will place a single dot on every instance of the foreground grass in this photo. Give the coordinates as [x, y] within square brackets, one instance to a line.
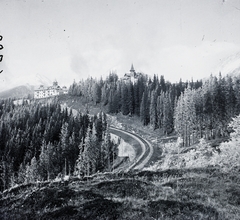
[171, 194]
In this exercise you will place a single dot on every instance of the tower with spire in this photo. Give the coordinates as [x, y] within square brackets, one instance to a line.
[132, 76]
[132, 70]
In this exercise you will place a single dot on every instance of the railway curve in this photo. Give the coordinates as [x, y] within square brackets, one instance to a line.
[144, 147]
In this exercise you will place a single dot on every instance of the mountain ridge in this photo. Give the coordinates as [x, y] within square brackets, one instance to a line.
[23, 91]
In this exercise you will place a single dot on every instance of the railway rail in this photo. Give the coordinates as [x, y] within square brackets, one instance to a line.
[145, 148]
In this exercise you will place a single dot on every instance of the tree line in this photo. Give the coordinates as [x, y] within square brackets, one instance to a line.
[152, 99]
[192, 109]
[206, 112]
[39, 141]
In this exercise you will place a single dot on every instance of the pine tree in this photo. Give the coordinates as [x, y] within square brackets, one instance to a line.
[96, 93]
[190, 116]
[21, 175]
[230, 98]
[64, 140]
[72, 152]
[179, 117]
[167, 114]
[236, 87]
[199, 103]
[6, 171]
[219, 106]
[111, 102]
[107, 152]
[99, 127]
[162, 84]
[153, 110]
[105, 94]
[185, 117]
[46, 162]
[136, 99]
[80, 163]
[124, 100]
[160, 113]
[32, 171]
[130, 98]
[88, 155]
[144, 112]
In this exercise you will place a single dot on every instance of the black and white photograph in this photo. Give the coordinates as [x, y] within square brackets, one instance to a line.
[120, 109]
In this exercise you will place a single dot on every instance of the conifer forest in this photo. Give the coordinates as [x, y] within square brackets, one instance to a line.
[39, 141]
[190, 132]
[194, 110]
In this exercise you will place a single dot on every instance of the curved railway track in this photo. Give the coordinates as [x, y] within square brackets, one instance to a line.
[145, 150]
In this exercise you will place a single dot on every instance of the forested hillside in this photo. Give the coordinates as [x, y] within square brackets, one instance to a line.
[46, 139]
[40, 140]
[185, 179]
[192, 109]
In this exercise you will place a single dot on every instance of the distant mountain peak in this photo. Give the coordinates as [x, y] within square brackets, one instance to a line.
[22, 91]
[231, 65]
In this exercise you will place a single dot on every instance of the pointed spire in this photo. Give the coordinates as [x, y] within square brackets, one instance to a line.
[132, 69]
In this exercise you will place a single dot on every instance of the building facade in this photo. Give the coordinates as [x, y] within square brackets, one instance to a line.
[45, 92]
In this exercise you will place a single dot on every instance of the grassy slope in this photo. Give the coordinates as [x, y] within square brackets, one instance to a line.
[172, 194]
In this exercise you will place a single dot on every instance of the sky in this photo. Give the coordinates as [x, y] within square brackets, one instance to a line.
[66, 40]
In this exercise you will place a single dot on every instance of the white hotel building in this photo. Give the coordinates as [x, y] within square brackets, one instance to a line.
[45, 92]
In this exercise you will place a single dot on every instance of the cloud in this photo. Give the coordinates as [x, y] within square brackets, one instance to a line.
[75, 40]
[194, 62]
[79, 64]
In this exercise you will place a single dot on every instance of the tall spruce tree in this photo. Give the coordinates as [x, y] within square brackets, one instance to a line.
[153, 110]
[124, 100]
[185, 117]
[167, 122]
[31, 173]
[144, 109]
[96, 93]
[130, 98]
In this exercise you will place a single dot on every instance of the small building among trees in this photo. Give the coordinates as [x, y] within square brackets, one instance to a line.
[132, 76]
